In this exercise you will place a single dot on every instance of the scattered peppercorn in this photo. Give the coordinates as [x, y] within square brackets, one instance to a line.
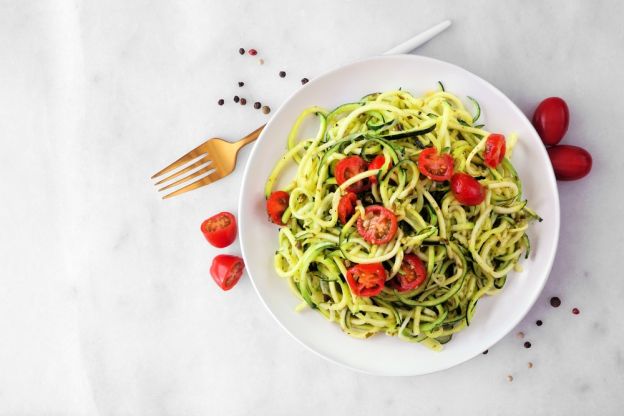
[236, 99]
[243, 101]
[241, 83]
[538, 322]
[252, 52]
[555, 302]
[261, 61]
[510, 378]
[527, 344]
[257, 105]
[221, 101]
[282, 74]
[530, 364]
[266, 109]
[485, 352]
[520, 335]
[576, 311]
[241, 51]
[304, 81]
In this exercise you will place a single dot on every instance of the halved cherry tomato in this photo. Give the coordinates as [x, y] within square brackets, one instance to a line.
[276, 205]
[378, 225]
[411, 275]
[220, 229]
[433, 165]
[348, 168]
[551, 119]
[377, 163]
[226, 270]
[466, 189]
[569, 162]
[366, 279]
[495, 149]
[346, 207]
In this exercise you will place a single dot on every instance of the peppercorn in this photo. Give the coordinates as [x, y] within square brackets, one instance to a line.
[221, 101]
[243, 101]
[282, 74]
[527, 344]
[304, 81]
[241, 83]
[241, 51]
[538, 322]
[236, 99]
[555, 302]
[266, 109]
[252, 52]
[257, 105]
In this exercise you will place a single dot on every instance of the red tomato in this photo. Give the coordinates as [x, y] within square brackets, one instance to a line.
[377, 163]
[466, 189]
[366, 279]
[433, 165]
[551, 119]
[495, 149]
[411, 275]
[276, 205]
[378, 225]
[227, 270]
[569, 162]
[220, 229]
[349, 167]
[346, 207]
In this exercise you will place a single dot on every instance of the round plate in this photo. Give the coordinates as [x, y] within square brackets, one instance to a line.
[495, 316]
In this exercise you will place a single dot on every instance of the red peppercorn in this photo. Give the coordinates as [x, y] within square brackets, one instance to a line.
[576, 311]
[252, 52]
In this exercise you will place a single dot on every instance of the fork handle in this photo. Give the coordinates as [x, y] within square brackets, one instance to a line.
[249, 138]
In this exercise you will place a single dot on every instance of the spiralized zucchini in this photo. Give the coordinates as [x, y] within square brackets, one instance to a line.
[468, 250]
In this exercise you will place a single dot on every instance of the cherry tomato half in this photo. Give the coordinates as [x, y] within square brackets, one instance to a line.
[227, 270]
[348, 168]
[377, 163]
[466, 189]
[276, 205]
[433, 165]
[551, 119]
[569, 162]
[366, 279]
[495, 149]
[378, 225]
[220, 229]
[346, 207]
[411, 275]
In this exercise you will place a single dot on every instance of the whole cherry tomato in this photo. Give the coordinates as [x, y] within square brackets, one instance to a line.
[569, 162]
[466, 189]
[551, 119]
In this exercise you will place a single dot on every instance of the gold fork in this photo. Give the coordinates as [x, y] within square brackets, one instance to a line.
[215, 157]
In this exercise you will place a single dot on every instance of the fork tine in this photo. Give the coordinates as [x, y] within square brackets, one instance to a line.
[214, 176]
[198, 151]
[190, 167]
[189, 177]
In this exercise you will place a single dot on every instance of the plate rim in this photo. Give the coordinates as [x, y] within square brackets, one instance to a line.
[551, 178]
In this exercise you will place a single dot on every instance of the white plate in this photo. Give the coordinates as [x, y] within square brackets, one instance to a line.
[495, 316]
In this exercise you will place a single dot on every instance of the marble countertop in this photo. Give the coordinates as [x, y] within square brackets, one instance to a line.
[106, 303]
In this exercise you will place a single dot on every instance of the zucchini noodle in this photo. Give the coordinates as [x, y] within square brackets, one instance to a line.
[468, 251]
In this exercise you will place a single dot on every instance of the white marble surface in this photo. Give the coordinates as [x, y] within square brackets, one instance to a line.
[106, 304]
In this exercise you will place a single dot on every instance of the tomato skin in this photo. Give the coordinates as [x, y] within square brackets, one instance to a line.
[411, 275]
[220, 230]
[349, 167]
[495, 148]
[551, 120]
[569, 162]
[377, 163]
[366, 279]
[276, 205]
[226, 270]
[466, 189]
[346, 207]
[435, 166]
[378, 225]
